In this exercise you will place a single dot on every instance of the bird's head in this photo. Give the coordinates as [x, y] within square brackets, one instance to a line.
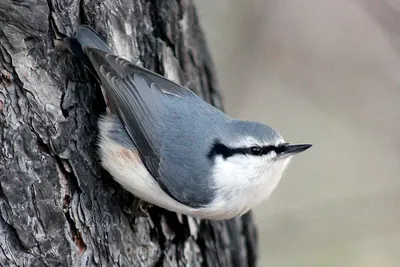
[250, 155]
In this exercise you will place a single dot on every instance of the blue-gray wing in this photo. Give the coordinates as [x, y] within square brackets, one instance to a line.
[137, 96]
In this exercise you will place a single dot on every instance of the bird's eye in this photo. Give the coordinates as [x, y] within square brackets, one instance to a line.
[255, 151]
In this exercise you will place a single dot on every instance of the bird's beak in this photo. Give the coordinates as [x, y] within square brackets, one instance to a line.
[290, 150]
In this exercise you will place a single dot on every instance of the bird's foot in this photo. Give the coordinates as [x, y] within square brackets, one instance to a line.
[141, 207]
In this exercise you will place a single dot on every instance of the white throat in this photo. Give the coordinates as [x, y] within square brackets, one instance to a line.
[243, 181]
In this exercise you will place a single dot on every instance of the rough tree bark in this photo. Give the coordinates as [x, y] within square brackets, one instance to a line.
[58, 207]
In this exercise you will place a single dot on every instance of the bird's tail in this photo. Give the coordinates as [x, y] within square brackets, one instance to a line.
[85, 36]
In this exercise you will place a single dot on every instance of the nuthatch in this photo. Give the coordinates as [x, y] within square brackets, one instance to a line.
[167, 146]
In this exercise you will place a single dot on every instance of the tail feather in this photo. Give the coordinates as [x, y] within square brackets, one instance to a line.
[85, 36]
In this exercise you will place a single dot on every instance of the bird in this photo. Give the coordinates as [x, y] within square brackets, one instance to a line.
[170, 148]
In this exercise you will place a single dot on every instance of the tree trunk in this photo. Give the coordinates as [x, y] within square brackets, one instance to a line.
[58, 207]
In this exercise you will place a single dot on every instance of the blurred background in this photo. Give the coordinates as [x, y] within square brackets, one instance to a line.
[327, 73]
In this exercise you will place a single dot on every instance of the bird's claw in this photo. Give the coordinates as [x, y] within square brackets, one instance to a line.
[141, 207]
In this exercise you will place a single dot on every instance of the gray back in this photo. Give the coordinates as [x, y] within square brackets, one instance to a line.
[188, 129]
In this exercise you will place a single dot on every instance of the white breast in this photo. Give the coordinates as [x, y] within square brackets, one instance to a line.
[127, 169]
[237, 191]
[243, 182]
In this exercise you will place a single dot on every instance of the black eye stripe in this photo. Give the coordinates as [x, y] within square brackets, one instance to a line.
[226, 152]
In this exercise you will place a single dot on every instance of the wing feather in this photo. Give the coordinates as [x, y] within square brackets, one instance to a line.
[136, 94]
